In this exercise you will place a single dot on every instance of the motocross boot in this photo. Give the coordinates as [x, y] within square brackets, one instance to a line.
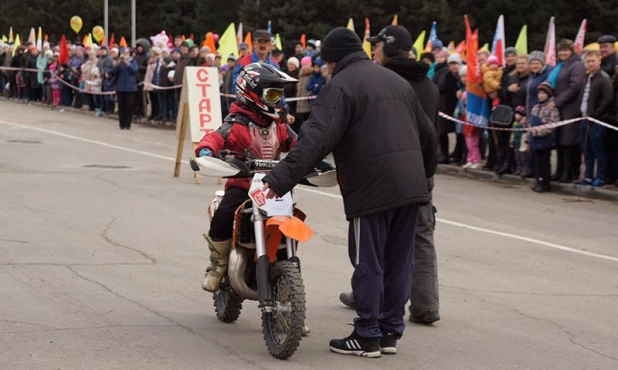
[219, 255]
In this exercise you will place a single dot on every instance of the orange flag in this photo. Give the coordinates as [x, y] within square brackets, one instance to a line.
[123, 42]
[249, 42]
[103, 40]
[184, 38]
[303, 40]
[210, 42]
[85, 40]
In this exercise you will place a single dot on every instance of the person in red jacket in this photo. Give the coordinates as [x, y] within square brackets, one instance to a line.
[256, 126]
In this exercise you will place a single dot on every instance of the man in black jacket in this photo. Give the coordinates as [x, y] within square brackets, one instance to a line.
[385, 150]
[141, 58]
[608, 65]
[597, 101]
[392, 47]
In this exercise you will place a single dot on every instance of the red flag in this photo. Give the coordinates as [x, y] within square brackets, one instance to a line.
[472, 41]
[112, 41]
[580, 38]
[64, 51]
[303, 40]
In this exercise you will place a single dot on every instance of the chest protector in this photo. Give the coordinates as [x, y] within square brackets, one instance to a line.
[264, 141]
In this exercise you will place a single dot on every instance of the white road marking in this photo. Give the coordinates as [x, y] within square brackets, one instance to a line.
[329, 195]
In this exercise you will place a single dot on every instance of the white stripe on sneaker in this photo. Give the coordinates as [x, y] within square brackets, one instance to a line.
[357, 345]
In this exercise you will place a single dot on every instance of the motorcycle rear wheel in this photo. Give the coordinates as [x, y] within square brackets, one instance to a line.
[228, 304]
[283, 327]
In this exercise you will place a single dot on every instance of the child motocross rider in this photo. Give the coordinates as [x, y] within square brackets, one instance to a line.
[256, 126]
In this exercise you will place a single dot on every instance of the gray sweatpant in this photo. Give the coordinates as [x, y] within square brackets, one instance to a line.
[424, 294]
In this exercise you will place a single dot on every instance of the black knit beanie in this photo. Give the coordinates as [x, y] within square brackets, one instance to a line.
[339, 43]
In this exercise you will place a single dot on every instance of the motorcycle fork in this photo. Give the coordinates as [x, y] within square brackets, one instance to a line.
[263, 263]
[291, 246]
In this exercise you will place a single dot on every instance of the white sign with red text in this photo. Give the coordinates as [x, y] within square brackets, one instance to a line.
[201, 92]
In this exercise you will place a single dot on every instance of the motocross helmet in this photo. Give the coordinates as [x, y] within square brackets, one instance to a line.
[259, 87]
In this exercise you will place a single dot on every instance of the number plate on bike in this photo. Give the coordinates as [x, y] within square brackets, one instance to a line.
[283, 206]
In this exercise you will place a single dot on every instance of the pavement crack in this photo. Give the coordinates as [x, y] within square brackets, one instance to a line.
[229, 350]
[114, 243]
[14, 241]
[26, 323]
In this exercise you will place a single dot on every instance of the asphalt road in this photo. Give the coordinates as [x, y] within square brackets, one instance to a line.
[100, 268]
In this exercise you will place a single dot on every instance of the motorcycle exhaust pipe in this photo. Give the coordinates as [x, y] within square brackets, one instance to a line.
[237, 265]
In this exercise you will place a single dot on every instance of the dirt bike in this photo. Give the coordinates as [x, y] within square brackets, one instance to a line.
[263, 263]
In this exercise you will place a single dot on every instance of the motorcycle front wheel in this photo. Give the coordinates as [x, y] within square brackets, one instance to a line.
[283, 327]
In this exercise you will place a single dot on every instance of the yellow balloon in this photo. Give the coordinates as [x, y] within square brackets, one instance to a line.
[76, 23]
[98, 33]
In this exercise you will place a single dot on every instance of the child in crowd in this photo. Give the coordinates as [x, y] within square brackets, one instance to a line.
[542, 139]
[492, 79]
[303, 106]
[53, 81]
[471, 133]
[519, 143]
[317, 80]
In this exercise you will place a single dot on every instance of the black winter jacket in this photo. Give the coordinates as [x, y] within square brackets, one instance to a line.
[601, 97]
[383, 143]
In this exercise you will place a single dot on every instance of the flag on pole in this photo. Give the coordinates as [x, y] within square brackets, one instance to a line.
[249, 42]
[123, 42]
[395, 20]
[303, 40]
[478, 107]
[32, 37]
[418, 44]
[39, 41]
[5, 39]
[550, 44]
[239, 34]
[485, 47]
[63, 58]
[522, 41]
[367, 44]
[497, 47]
[227, 43]
[451, 47]
[351, 25]
[85, 41]
[11, 39]
[112, 41]
[461, 48]
[581, 37]
[433, 36]
[16, 44]
[270, 27]
[278, 43]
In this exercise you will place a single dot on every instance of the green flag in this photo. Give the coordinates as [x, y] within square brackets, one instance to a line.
[522, 41]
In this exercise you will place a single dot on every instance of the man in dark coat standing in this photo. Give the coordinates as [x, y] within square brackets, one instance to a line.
[392, 47]
[141, 58]
[384, 147]
[608, 65]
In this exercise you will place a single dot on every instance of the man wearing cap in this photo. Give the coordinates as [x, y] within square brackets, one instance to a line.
[181, 64]
[392, 47]
[608, 65]
[262, 45]
[385, 148]
[244, 50]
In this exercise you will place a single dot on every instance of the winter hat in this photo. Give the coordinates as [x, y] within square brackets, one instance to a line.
[205, 49]
[510, 50]
[566, 44]
[49, 54]
[306, 61]
[294, 61]
[242, 46]
[428, 56]
[115, 50]
[606, 39]
[176, 50]
[492, 60]
[520, 110]
[546, 86]
[318, 62]
[311, 43]
[443, 53]
[396, 36]
[463, 71]
[231, 57]
[340, 43]
[185, 44]
[537, 55]
[437, 44]
[454, 58]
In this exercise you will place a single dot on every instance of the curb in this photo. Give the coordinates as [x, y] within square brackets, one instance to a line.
[568, 189]
[141, 121]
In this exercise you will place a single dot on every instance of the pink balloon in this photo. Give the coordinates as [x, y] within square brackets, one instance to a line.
[216, 37]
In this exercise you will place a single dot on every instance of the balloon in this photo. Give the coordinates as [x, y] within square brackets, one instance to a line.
[98, 32]
[216, 37]
[76, 23]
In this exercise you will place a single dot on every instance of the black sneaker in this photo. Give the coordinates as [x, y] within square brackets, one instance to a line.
[356, 345]
[426, 317]
[348, 300]
[388, 344]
